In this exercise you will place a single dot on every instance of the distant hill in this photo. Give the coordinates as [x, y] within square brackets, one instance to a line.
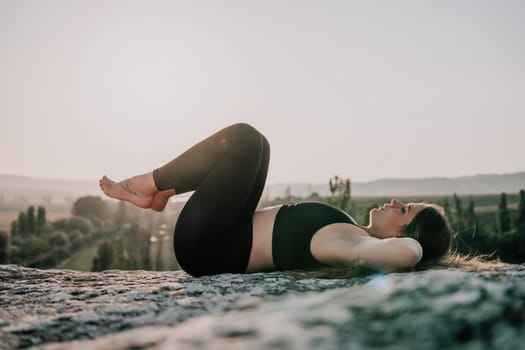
[17, 188]
[40, 190]
[476, 184]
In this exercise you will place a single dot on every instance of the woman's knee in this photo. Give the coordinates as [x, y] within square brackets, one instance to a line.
[266, 144]
[244, 134]
[243, 127]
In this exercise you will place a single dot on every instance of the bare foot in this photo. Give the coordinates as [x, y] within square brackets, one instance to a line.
[124, 191]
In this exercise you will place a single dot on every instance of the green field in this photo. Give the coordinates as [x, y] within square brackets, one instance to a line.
[81, 260]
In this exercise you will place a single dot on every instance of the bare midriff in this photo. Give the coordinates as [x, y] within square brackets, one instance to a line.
[261, 254]
[321, 246]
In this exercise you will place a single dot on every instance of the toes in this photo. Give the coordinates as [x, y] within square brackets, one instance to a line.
[105, 180]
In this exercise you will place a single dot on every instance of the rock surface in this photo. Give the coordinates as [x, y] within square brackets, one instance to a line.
[435, 309]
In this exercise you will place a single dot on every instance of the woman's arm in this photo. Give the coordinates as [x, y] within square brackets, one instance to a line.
[389, 254]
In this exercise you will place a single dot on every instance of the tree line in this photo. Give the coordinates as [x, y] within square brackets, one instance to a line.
[36, 242]
[499, 233]
[122, 239]
[131, 238]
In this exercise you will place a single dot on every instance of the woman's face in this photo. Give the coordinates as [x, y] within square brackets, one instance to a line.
[389, 219]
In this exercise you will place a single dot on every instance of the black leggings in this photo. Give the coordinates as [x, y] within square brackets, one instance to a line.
[228, 171]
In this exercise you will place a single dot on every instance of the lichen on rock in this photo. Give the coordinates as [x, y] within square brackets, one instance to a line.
[434, 309]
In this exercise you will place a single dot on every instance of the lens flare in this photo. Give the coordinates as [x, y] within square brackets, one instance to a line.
[380, 283]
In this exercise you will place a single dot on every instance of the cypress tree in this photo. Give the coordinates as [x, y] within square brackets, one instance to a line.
[347, 194]
[4, 247]
[471, 218]
[333, 185]
[22, 223]
[458, 217]
[341, 192]
[521, 209]
[31, 219]
[41, 220]
[105, 257]
[14, 228]
[503, 214]
[446, 206]
[95, 265]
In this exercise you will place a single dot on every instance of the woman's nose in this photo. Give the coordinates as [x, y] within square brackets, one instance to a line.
[395, 202]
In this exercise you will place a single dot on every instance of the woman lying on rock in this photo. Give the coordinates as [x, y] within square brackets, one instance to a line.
[220, 231]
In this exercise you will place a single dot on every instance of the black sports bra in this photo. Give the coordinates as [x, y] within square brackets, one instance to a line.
[294, 226]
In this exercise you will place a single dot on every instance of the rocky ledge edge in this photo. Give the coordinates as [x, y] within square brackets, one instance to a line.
[434, 309]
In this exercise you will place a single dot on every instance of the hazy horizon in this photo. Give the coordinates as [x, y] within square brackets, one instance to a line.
[364, 90]
[297, 182]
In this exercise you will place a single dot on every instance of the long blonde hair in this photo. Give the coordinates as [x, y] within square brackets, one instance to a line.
[469, 262]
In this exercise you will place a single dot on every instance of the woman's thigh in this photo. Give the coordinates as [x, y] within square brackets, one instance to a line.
[214, 230]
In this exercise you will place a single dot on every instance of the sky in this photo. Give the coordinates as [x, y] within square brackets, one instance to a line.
[362, 89]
